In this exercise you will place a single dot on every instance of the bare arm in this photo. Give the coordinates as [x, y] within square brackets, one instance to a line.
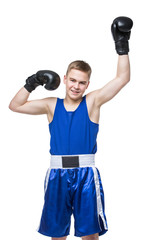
[121, 29]
[98, 97]
[107, 92]
[21, 104]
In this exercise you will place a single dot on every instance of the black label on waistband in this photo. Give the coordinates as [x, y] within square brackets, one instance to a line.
[70, 162]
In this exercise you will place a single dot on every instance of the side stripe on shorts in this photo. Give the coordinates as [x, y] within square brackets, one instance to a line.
[99, 202]
[47, 180]
[45, 188]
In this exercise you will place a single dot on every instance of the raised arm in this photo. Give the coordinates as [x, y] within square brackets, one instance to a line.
[121, 29]
[107, 92]
[20, 102]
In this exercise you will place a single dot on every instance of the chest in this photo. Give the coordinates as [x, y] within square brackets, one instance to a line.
[92, 111]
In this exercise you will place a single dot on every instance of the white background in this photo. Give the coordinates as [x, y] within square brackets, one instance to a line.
[49, 34]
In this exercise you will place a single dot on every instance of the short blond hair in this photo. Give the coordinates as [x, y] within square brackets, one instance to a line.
[81, 66]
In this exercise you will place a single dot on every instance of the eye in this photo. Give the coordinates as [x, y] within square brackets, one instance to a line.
[72, 80]
[83, 83]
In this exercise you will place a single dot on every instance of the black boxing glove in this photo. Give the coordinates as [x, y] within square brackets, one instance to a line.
[47, 77]
[121, 30]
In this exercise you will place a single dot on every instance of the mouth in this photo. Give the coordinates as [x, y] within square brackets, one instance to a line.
[75, 92]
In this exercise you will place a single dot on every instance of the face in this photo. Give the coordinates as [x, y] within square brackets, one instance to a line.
[76, 83]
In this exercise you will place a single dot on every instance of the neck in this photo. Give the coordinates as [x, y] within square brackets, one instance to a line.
[71, 101]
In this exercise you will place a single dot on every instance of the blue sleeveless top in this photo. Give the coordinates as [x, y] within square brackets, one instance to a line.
[72, 133]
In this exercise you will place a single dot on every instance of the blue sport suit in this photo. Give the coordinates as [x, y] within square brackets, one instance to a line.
[74, 189]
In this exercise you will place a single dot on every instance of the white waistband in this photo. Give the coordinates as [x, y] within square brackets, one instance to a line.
[87, 160]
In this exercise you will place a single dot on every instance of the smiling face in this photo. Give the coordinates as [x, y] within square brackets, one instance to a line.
[76, 83]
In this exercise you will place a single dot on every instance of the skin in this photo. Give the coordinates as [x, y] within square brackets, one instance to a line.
[76, 83]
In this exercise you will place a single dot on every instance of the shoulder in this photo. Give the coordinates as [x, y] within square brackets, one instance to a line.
[51, 105]
[51, 102]
[93, 109]
[91, 98]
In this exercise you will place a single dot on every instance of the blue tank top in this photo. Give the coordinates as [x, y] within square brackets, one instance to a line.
[72, 133]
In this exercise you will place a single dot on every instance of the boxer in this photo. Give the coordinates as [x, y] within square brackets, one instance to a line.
[73, 184]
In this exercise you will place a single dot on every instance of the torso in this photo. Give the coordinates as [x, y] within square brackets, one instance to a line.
[93, 111]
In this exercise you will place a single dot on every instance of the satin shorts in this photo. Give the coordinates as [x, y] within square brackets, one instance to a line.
[76, 191]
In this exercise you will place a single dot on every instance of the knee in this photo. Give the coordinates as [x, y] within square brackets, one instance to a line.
[61, 238]
[91, 237]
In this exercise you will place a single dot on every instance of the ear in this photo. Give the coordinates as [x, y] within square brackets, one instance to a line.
[64, 79]
[88, 84]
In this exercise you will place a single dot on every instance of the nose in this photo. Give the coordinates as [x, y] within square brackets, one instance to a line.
[76, 85]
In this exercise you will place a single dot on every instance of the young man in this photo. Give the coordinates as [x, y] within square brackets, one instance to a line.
[73, 184]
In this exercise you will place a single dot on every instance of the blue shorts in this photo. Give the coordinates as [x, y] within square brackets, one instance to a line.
[76, 191]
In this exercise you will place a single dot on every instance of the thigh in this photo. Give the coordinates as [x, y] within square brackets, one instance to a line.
[89, 204]
[57, 210]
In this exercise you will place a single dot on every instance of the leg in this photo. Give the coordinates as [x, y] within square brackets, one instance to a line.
[88, 205]
[61, 238]
[91, 237]
[51, 225]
